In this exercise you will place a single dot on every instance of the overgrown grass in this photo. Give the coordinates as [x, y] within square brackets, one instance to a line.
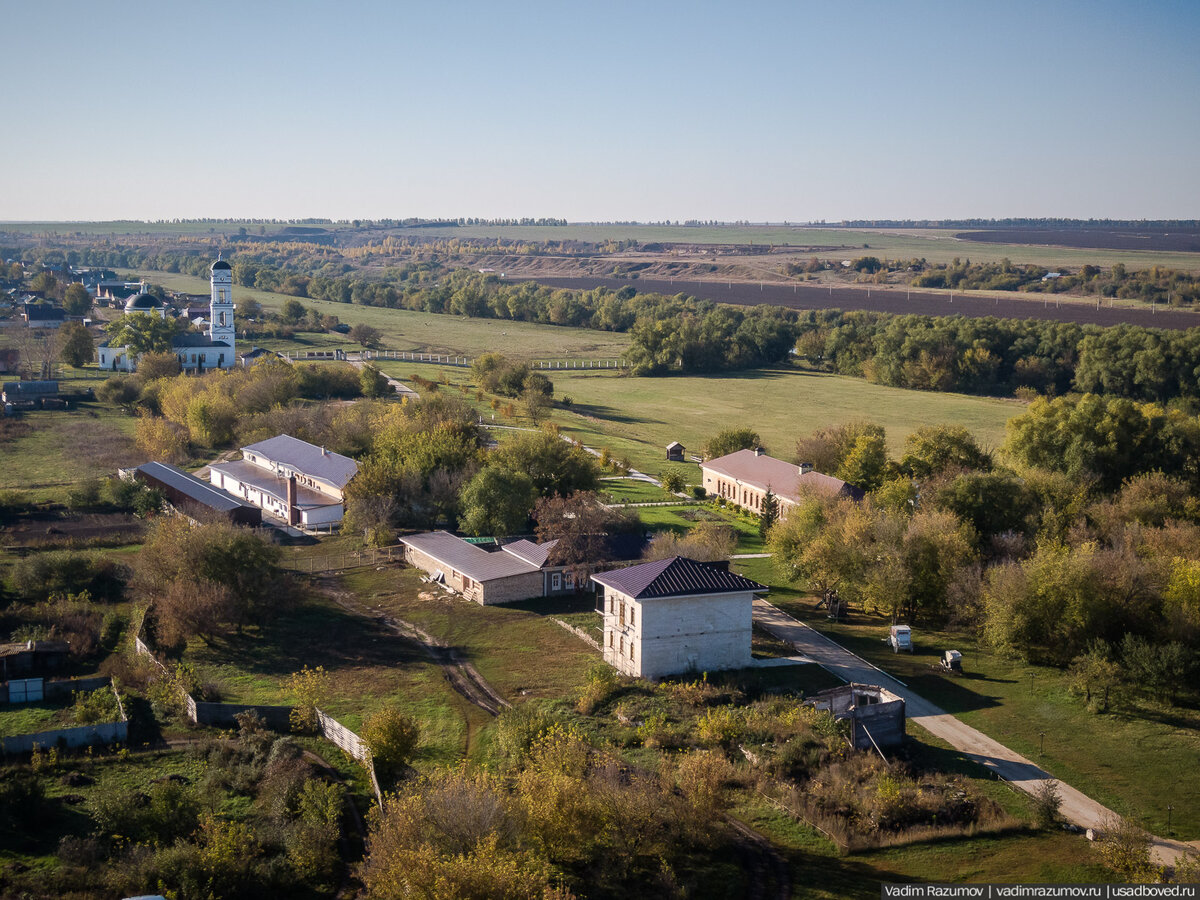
[369, 667]
[62, 448]
[1131, 761]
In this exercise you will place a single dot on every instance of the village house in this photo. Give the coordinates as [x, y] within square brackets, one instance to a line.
[43, 315]
[744, 477]
[674, 616]
[290, 480]
[516, 571]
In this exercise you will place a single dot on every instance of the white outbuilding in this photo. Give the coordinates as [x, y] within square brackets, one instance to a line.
[675, 616]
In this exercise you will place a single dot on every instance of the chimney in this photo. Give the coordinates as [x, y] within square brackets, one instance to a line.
[758, 451]
[293, 513]
[323, 453]
[805, 468]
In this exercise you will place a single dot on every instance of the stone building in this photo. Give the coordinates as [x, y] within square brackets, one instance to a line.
[675, 616]
[744, 477]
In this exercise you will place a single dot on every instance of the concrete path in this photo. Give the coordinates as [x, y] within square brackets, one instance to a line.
[994, 756]
[398, 386]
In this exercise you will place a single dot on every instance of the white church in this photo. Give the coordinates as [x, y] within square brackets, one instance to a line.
[214, 349]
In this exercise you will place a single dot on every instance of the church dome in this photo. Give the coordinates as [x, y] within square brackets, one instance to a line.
[220, 264]
[141, 302]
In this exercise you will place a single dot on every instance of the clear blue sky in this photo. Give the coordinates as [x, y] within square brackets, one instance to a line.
[593, 111]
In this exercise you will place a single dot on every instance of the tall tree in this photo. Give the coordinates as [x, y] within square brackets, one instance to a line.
[77, 348]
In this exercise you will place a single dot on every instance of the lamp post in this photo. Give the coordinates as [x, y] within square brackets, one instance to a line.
[1169, 809]
[1042, 747]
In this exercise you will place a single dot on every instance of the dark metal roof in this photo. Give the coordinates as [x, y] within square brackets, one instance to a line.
[191, 486]
[143, 300]
[220, 264]
[676, 577]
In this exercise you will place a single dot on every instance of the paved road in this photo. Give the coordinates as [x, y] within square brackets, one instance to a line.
[1012, 767]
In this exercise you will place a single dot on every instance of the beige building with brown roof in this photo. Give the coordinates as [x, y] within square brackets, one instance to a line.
[744, 477]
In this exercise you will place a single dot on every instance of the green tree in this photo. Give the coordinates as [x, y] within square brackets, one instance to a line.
[933, 449]
[674, 481]
[366, 335]
[866, 465]
[77, 301]
[769, 513]
[554, 465]
[77, 347]
[497, 501]
[142, 333]
[292, 311]
[374, 382]
[731, 440]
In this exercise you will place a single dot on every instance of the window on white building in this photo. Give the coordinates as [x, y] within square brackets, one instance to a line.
[556, 581]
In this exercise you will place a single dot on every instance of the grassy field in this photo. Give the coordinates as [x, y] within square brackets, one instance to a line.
[371, 666]
[428, 332]
[638, 417]
[48, 451]
[934, 244]
[1132, 764]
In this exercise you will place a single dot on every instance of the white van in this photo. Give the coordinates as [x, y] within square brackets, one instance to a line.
[900, 638]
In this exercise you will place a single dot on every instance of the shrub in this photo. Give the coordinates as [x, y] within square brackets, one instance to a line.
[392, 738]
[602, 682]
[721, 725]
[67, 572]
[1047, 801]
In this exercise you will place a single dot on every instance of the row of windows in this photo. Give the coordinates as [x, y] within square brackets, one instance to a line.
[751, 499]
[618, 608]
[622, 645]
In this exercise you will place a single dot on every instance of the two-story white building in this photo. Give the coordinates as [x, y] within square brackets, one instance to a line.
[291, 480]
[676, 615]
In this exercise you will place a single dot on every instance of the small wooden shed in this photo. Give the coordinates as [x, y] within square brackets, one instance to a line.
[675, 452]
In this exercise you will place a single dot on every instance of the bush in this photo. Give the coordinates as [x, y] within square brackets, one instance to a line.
[392, 737]
[602, 682]
[68, 572]
[1047, 801]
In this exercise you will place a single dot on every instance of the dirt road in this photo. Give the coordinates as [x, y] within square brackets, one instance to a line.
[1012, 767]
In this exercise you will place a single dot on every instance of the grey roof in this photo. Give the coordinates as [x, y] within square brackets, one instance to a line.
[676, 577]
[269, 483]
[200, 491]
[455, 553]
[783, 478]
[310, 459]
[534, 554]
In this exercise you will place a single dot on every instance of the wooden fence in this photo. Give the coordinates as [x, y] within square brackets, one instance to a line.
[350, 559]
[464, 362]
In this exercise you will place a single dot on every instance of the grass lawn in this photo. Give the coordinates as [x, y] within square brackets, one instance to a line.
[680, 519]
[630, 490]
[48, 451]
[516, 648]
[27, 718]
[638, 417]
[369, 667]
[1135, 765]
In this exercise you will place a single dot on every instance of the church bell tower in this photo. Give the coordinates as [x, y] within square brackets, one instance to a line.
[220, 307]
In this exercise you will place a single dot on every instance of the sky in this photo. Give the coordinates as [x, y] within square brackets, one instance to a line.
[598, 111]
